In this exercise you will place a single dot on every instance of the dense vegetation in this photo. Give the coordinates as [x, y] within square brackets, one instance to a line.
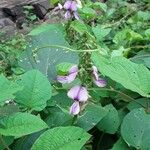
[83, 83]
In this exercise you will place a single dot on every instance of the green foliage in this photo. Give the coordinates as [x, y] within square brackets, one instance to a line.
[7, 89]
[36, 91]
[134, 128]
[91, 116]
[132, 76]
[47, 48]
[64, 138]
[20, 124]
[111, 121]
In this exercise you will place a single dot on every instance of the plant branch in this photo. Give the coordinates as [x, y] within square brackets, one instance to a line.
[3, 142]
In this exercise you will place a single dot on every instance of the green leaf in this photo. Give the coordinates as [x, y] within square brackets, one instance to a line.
[100, 32]
[126, 35]
[142, 57]
[146, 140]
[88, 12]
[120, 145]
[79, 26]
[7, 89]
[111, 121]
[136, 104]
[134, 126]
[91, 116]
[147, 33]
[62, 138]
[20, 124]
[36, 91]
[58, 117]
[99, 5]
[63, 68]
[39, 53]
[132, 76]
[8, 110]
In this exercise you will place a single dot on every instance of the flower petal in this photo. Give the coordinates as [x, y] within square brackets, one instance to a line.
[73, 69]
[62, 79]
[78, 93]
[67, 15]
[83, 94]
[71, 77]
[100, 82]
[75, 108]
[76, 15]
[73, 92]
[95, 72]
[68, 4]
[73, 6]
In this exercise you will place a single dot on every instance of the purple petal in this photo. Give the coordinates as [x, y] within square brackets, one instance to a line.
[76, 15]
[75, 108]
[78, 93]
[62, 79]
[100, 82]
[73, 6]
[68, 4]
[73, 69]
[71, 77]
[83, 94]
[95, 72]
[67, 15]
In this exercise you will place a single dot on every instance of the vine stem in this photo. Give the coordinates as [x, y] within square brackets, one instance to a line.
[111, 90]
[66, 48]
[3, 142]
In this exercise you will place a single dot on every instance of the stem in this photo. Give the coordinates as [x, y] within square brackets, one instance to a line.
[65, 48]
[100, 140]
[3, 142]
[119, 92]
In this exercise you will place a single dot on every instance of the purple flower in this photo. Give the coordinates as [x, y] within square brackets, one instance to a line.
[97, 80]
[70, 77]
[79, 94]
[71, 9]
[75, 108]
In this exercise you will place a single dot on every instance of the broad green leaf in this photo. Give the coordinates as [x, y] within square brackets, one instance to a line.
[20, 124]
[62, 138]
[100, 32]
[111, 121]
[132, 76]
[26, 142]
[36, 91]
[134, 126]
[143, 15]
[7, 89]
[142, 57]
[58, 117]
[120, 145]
[47, 49]
[136, 104]
[146, 140]
[8, 110]
[91, 116]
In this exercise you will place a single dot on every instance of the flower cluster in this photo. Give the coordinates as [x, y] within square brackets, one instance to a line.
[70, 7]
[79, 93]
